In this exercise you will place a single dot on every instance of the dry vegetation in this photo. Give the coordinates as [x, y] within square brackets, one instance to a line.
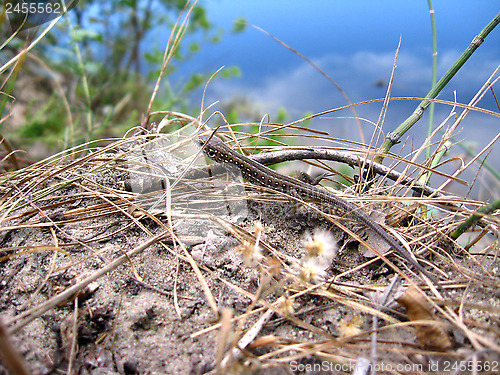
[122, 256]
[104, 268]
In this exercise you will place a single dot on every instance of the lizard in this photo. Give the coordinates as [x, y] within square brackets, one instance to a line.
[214, 148]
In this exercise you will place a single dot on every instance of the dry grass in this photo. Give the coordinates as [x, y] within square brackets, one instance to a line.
[122, 255]
[64, 216]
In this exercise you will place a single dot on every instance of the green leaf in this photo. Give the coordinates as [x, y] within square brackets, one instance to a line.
[194, 47]
[231, 71]
[86, 34]
[199, 17]
[233, 116]
[282, 116]
[239, 25]
[306, 122]
[194, 81]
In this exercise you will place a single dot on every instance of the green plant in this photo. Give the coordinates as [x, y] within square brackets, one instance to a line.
[97, 71]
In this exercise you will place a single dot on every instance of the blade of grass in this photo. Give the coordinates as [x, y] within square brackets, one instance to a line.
[323, 73]
[174, 40]
[426, 176]
[32, 45]
[433, 82]
[484, 210]
[481, 161]
[2, 17]
[81, 71]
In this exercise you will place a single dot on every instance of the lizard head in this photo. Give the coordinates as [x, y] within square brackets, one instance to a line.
[201, 140]
[209, 143]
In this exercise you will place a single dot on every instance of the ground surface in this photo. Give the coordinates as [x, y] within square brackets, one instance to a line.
[147, 314]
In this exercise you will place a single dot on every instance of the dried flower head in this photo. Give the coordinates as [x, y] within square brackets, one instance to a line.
[252, 254]
[286, 305]
[258, 227]
[321, 244]
[312, 270]
[350, 327]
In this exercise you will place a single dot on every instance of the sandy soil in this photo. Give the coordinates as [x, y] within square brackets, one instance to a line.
[148, 314]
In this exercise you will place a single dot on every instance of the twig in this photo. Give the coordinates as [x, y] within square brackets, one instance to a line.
[248, 337]
[74, 336]
[273, 157]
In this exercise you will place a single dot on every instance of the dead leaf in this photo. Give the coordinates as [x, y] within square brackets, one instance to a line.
[430, 336]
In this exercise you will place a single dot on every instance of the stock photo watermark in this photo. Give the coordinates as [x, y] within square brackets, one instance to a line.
[26, 14]
[463, 367]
